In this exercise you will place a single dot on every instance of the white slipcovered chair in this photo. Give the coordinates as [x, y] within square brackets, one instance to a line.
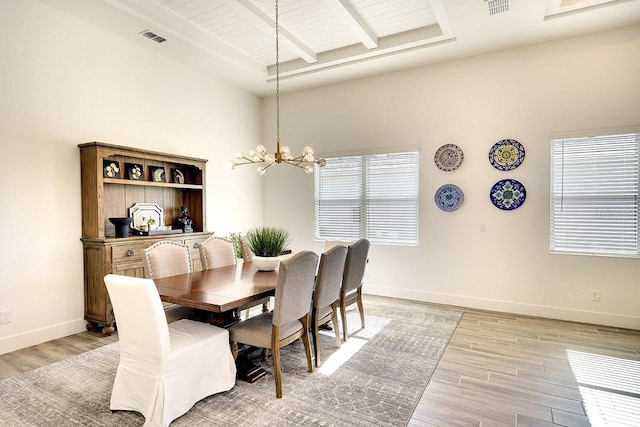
[164, 368]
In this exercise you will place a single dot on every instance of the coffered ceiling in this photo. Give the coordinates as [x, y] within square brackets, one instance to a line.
[324, 41]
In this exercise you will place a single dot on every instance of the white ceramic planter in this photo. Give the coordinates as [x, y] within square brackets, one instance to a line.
[266, 263]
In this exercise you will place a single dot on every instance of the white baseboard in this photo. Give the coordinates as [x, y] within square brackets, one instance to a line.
[551, 312]
[38, 336]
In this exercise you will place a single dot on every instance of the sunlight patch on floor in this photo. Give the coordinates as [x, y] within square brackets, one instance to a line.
[609, 386]
[374, 324]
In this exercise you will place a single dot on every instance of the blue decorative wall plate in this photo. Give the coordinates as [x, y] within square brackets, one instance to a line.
[508, 194]
[449, 197]
[506, 155]
[448, 157]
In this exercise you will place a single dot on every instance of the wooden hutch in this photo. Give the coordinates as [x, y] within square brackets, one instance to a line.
[109, 192]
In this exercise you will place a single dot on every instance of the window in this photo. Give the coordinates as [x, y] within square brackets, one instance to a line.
[372, 196]
[594, 195]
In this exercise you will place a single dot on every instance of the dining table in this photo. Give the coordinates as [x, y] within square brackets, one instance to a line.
[222, 291]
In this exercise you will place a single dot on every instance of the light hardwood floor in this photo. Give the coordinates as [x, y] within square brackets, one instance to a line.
[498, 370]
[508, 370]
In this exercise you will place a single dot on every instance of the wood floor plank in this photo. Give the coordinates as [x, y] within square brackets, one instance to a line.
[532, 384]
[514, 392]
[455, 409]
[570, 419]
[476, 397]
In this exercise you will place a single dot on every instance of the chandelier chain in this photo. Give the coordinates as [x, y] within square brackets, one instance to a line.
[259, 154]
[277, 81]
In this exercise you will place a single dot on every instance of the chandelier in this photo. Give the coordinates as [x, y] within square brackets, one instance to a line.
[259, 154]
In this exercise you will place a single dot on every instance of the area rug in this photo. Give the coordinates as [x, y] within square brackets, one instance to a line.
[375, 379]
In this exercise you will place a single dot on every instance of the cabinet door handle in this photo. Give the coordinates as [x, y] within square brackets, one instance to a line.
[130, 252]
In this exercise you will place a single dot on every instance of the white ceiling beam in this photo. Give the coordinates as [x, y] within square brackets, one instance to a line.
[354, 22]
[269, 26]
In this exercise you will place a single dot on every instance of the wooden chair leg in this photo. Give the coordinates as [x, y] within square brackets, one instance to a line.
[234, 349]
[360, 307]
[343, 313]
[307, 350]
[316, 338]
[277, 371]
[336, 328]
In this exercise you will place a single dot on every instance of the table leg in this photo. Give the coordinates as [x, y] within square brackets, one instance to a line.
[247, 370]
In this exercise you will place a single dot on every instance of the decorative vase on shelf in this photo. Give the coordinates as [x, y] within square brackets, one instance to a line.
[121, 225]
[266, 263]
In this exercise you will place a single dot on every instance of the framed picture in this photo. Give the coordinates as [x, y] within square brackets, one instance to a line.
[178, 176]
[134, 172]
[157, 174]
[110, 168]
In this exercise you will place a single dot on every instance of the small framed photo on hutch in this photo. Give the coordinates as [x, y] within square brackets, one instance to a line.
[110, 169]
[157, 174]
[134, 172]
[178, 176]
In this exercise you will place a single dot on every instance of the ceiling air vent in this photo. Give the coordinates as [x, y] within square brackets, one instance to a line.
[148, 34]
[498, 6]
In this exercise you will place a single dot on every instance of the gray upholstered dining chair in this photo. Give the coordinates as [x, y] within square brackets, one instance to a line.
[326, 294]
[217, 252]
[168, 258]
[289, 319]
[164, 369]
[351, 291]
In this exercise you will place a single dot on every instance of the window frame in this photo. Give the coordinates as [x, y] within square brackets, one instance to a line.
[368, 218]
[594, 189]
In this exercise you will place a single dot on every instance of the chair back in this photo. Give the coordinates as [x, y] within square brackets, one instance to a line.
[247, 253]
[329, 278]
[296, 277]
[355, 264]
[328, 244]
[166, 258]
[142, 326]
[217, 252]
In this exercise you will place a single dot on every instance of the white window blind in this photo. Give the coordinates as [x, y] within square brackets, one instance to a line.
[373, 196]
[594, 194]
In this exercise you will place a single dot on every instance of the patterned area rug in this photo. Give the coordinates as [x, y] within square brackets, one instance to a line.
[375, 379]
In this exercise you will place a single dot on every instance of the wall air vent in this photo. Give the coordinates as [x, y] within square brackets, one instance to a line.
[498, 6]
[148, 34]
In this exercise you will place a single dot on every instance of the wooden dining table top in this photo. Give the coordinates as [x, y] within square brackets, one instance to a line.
[219, 289]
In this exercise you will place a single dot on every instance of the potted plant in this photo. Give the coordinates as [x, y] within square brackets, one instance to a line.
[267, 243]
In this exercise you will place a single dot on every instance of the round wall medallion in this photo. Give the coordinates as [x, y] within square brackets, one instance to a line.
[506, 155]
[449, 197]
[508, 194]
[448, 157]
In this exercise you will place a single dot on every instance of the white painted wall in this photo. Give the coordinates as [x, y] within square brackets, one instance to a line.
[66, 82]
[527, 94]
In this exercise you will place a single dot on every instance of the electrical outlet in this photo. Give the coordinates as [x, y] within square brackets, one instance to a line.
[595, 296]
[5, 317]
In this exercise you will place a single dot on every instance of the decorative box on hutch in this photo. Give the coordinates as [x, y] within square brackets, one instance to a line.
[113, 179]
